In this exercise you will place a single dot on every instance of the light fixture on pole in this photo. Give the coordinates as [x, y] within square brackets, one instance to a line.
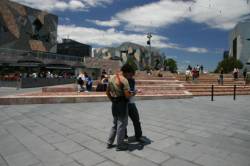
[149, 36]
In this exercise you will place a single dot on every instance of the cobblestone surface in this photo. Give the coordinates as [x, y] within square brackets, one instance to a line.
[183, 132]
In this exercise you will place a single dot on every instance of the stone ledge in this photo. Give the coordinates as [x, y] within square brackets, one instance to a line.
[20, 100]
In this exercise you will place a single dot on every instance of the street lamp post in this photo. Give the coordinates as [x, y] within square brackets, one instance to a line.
[149, 36]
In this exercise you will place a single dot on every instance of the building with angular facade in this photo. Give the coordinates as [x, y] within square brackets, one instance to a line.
[239, 42]
[143, 57]
[74, 48]
[25, 28]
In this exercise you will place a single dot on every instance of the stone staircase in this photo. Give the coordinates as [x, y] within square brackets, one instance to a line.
[167, 85]
[151, 88]
[149, 85]
[203, 85]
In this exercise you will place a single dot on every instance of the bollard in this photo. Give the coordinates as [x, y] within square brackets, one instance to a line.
[234, 92]
[212, 93]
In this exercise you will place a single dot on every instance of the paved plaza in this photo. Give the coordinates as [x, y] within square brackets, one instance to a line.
[183, 132]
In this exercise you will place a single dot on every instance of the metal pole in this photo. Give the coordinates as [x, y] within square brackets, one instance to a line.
[149, 36]
[234, 92]
[212, 93]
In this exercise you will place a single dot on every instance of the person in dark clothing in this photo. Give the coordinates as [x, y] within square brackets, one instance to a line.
[245, 73]
[133, 113]
[221, 77]
[89, 82]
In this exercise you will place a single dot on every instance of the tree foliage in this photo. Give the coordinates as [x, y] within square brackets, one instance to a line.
[171, 65]
[228, 65]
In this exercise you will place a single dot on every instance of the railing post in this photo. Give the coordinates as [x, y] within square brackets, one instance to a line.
[212, 93]
[234, 92]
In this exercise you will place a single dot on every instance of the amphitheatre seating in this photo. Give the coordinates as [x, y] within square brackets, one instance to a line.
[202, 86]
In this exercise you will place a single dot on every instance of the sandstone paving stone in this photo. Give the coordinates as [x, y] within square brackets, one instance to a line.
[176, 128]
[68, 147]
[3, 161]
[34, 127]
[80, 138]
[238, 159]
[87, 158]
[71, 164]
[107, 163]
[184, 151]
[245, 137]
[163, 143]
[42, 150]
[152, 155]
[53, 138]
[123, 158]
[100, 135]
[21, 159]
[192, 131]
[204, 149]
[10, 146]
[178, 162]
[177, 134]
[59, 128]
[154, 136]
[207, 160]
[3, 132]
[95, 146]
[222, 127]
[154, 128]
[141, 162]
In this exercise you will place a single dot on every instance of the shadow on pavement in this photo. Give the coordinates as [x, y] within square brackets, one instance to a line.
[135, 145]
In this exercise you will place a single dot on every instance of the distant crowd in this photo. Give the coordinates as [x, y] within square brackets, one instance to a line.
[17, 76]
[193, 72]
[85, 82]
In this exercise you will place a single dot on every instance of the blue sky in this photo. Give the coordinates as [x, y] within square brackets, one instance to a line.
[189, 31]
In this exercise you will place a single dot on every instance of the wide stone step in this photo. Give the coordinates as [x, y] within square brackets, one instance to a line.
[154, 82]
[218, 90]
[212, 83]
[79, 98]
[155, 78]
[219, 93]
[216, 86]
[163, 87]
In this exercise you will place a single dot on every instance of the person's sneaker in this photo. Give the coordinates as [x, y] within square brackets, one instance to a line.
[122, 147]
[109, 146]
[141, 140]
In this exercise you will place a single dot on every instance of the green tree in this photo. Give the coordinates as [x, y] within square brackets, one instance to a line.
[228, 65]
[171, 65]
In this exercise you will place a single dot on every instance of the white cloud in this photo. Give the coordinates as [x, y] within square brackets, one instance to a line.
[106, 38]
[75, 4]
[94, 3]
[221, 14]
[196, 50]
[58, 6]
[155, 14]
[111, 37]
[51, 5]
[111, 23]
